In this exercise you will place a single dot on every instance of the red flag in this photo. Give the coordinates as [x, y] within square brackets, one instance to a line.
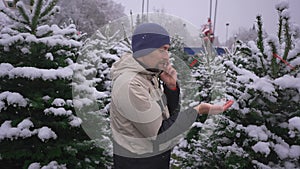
[284, 61]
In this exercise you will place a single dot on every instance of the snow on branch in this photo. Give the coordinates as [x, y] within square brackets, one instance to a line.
[24, 11]
[32, 73]
[12, 98]
[52, 164]
[58, 111]
[49, 9]
[45, 133]
[58, 37]
[22, 130]
[288, 81]
[11, 15]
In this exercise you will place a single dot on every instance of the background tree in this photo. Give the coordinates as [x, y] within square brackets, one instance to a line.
[89, 15]
[243, 35]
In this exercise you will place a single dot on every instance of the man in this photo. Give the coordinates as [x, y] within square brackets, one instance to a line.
[145, 117]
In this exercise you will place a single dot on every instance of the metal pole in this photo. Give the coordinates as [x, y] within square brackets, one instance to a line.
[131, 21]
[209, 24]
[210, 9]
[147, 10]
[143, 11]
[215, 17]
[227, 25]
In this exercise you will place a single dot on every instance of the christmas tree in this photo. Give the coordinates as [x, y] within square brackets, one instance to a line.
[92, 83]
[263, 82]
[209, 77]
[262, 128]
[38, 123]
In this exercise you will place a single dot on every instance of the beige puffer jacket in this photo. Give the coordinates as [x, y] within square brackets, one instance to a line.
[137, 108]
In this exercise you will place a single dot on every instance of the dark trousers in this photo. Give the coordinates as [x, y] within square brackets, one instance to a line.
[160, 161]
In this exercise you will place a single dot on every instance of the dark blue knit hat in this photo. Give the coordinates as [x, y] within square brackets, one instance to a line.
[147, 37]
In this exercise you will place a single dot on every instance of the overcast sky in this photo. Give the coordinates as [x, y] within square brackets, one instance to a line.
[238, 13]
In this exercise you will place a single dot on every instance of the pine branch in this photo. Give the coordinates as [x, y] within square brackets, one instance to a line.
[35, 19]
[288, 40]
[260, 35]
[46, 17]
[23, 12]
[260, 41]
[274, 64]
[280, 26]
[11, 16]
[49, 8]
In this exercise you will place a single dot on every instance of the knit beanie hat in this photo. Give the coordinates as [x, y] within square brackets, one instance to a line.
[147, 37]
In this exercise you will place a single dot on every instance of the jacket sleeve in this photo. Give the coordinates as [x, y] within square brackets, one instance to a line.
[177, 124]
[180, 121]
[172, 97]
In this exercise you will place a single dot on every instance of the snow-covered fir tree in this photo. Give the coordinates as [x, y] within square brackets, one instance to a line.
[92, 84]
[180, 61]
[262, 128]
[265, 84]
[209, 77]
[38, 123]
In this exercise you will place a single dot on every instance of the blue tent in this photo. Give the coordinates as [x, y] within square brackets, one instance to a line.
[193, 50]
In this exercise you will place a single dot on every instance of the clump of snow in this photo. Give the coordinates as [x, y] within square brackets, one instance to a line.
[282, 151]
[7, 69]
[42, 30]
[260, 165]
[46, 98]
[69, 103]
[75, 121]
[110, 56]
[7, 131]
[197, 124]
[263, 84]
[285, 14]
[49, 56]
[295, 61]
[51, 165]
[234, 148]
[288, 81]
[294, 123]
[257, 132]
[58, 111]
[282, 5]
[294, 152]
[34, 166]
[45, 133]
[285, 151]
[26, 123]
[12, 98]
[82, 102]
[22, 130]
[262, 147]
[178, 152]
[58, 102]
[25, 50]
[245, 75]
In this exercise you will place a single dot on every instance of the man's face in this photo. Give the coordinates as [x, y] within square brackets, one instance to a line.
[158, 59]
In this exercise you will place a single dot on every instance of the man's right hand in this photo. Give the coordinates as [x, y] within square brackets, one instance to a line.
[206, 108]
